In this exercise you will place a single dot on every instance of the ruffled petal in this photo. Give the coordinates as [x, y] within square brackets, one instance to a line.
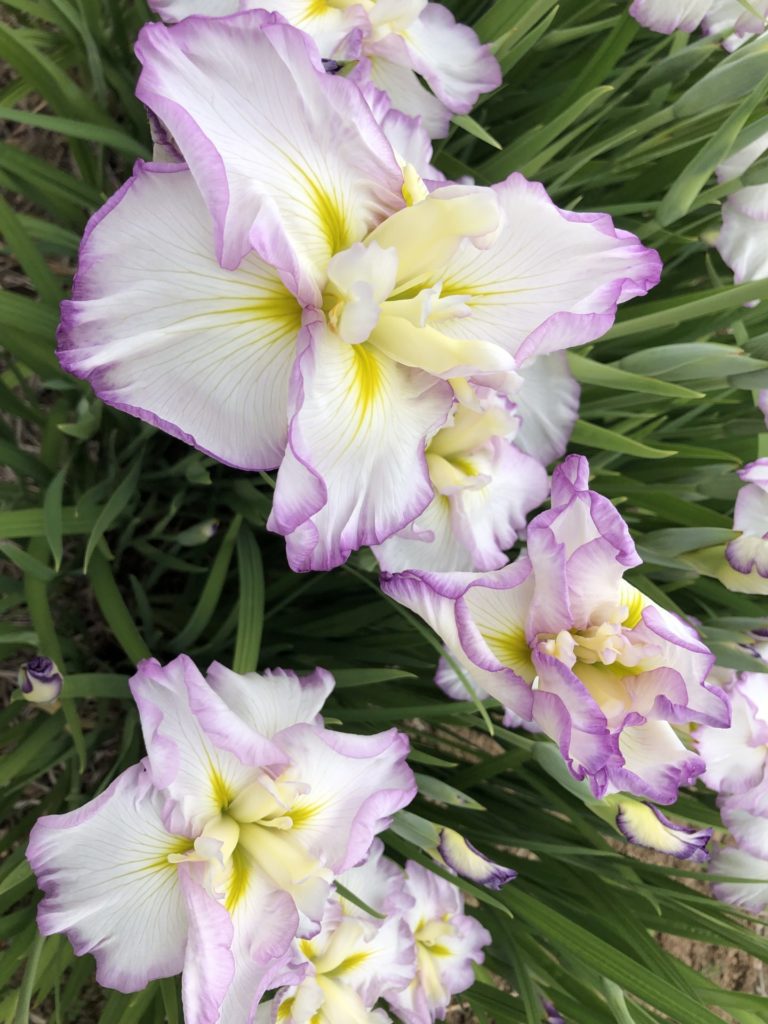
[235, 952]
[743, 239]
[200, 753]
[403, 87]
[251, 109]
[751, 892]
[355, 471]
[162, 332]
[109, 885]
[356, 784]
[273, 700]
[656, 762]
[548, 405]
[177, 10]
[552, 279]
[666, 17]
[451, 58]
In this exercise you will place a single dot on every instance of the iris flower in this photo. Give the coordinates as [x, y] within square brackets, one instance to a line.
[214, 852]
[713, 15]
[562, 639]
[393, 42]
[292, 297]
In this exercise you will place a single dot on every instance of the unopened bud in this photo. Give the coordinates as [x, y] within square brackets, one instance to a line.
[40, 681]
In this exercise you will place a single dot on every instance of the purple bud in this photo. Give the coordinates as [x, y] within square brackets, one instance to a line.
[553, 1017]
[332, 67]
[40, 681]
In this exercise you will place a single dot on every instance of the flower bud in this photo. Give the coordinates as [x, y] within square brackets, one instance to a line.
[40, 681]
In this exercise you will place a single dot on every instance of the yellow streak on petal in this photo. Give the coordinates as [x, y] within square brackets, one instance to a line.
[238, 879]
[510, 647]
[634, 601]
[223, 794]
[366, 380]
[285, 1009]
[177, 845]
[329, 210]
[348, 965]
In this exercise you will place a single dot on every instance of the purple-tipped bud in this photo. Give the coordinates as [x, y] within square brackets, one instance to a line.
[463, 858]
[40, 681]
[553, 1017]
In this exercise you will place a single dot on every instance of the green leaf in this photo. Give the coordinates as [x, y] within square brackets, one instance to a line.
[250, 615]
[116, 504]
[592, 436]
[52, 514]
[212, 590]
[469, 124]
[608, 375]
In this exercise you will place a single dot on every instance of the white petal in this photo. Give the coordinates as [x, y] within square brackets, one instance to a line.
[109, 885]
[428, 543]
[743, 240]
[668, 15]
[272, 700]
[751, 511]
[451, 58]
[236, 949]
[548, 404]
[355, 784]
[406, 92]
[656, 762]
[177, 10]
[551, 280]
[162, 332]
[191, 738]
[252, 110]
[752, 892]
[355, 470]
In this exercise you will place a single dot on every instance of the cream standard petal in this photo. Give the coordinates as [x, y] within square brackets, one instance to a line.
[162, 332]
[110, 886]
[289, 159]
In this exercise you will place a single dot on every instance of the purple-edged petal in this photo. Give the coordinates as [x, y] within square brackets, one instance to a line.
[355, 471]
[451, 58]
[387, 69]
[686, 655]
[251, 109]
[356, 784]
[235, 951]
[746, 815]
[163, 333]
[466, 860]
[645, 825]
[273, 700]
[669, 15]
[551, 280]
[743, 239]
[655, 762]
[736, 756]
[548, 406]
[200, 753]
[378, 882]
[447, 944]
[109, 886]
[473, 527]
[485, 651]
[177, 10]
[751, 891]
